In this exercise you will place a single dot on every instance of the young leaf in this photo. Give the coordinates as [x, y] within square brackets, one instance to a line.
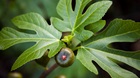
[46, 37]
[75, 21]
[97, 49]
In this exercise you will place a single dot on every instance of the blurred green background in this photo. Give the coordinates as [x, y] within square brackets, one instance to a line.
[126, 9]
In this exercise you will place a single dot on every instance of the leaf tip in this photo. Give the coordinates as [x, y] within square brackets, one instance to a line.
[2, 47]
[13, 68]
[50, 54]
[109, 3]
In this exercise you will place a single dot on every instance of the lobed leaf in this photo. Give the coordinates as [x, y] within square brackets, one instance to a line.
[46, 37]
[37, 51]
[102, 59]
[86, 61]
[97, 26]
[75, 21]
[97, 48]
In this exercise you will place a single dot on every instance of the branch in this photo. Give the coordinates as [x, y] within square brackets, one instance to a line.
[47, 72]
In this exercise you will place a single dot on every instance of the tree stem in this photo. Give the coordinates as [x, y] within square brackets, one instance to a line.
[47, 72]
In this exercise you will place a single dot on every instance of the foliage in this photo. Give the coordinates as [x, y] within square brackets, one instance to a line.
[97, 49]
[43, 41]
[84, 26]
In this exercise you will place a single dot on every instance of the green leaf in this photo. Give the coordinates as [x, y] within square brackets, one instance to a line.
[75, 21]
[97, 49]
[37, 51]
[86, 60]
[46, 37]
[97, 26]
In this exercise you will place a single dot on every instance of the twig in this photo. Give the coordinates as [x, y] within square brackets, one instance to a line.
[47, 72]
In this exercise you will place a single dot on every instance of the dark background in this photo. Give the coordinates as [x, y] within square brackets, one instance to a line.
[125, 9]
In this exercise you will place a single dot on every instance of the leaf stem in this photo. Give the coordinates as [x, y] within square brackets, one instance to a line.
[47, 72]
